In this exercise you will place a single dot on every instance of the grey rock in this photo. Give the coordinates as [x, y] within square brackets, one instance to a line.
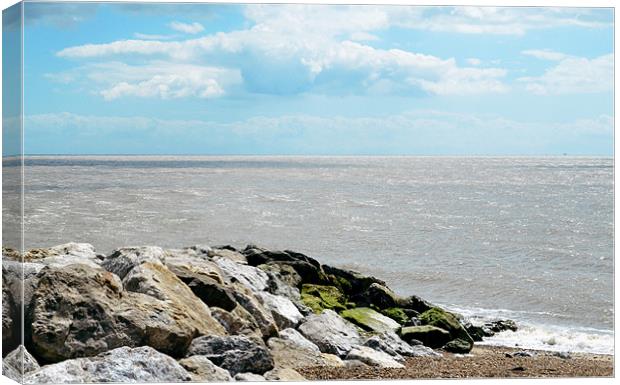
[287, 353]
[237, 354]
[229, 254]
[391, 344]
[283, 311]
[330, 332]
[249, 276]
[563, 355]
[10, 319]
[122, 260]
[373, 357]
[298, 339]
[262, 316]
[122, 365]
[203, 370]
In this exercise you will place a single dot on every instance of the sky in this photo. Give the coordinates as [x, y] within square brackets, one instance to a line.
[317, 79]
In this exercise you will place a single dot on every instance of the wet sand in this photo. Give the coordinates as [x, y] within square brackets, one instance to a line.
[482, 362]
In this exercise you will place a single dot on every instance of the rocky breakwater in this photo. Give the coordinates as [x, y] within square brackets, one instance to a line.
[147, 314]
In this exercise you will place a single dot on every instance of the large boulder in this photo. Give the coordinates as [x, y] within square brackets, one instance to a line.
[393, 345]
[121, 365]
[330, 332]
[82, 252]
[229, 254]
[237, 354]
[79, 311]
[447, 321]
[373, 357]
[20, 279]
[284, 312]
[122, 260]
[370, 320]
[203, 370]
[430, 336]
[190, 263]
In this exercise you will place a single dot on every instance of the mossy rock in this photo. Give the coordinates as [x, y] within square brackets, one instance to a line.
[319, 297]
[458, 345]
[370, 320]
[397, 314]
[447, 321]
[340, 282]
[430, 336]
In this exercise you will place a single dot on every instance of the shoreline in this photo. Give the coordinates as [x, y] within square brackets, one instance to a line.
[482, 362]
[248, 314]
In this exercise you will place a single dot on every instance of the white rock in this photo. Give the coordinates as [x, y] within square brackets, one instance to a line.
[249, 276]
[299, 340]
[203, 370]
[284, 312]
[123, 365]
[249, 377]
[122, 260]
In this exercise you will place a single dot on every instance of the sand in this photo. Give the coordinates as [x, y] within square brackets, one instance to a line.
[482, 362]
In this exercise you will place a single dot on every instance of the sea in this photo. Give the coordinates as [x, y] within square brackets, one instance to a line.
[523, 238]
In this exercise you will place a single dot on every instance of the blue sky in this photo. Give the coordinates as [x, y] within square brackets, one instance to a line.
[292, 79]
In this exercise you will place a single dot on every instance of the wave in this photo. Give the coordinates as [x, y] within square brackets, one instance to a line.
[539, 336]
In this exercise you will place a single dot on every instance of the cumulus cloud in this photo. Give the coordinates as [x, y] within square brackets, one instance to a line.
[280, 42]
[191, 29]
[574, 75]
[156, 79]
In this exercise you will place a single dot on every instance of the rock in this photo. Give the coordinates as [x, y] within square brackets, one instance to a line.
[122, 260]
[283, 374]
[458, 345]
[252, 305]
[229, 254]
[156, 280]
[201, 369]
[373, 357]
[121, 365]
[351, 282]
[249, 276]
[237, 354]
[78, 311]
[237, 321]
[379, 296]
[331, 333]
[298, 339]
[10, 319]
[370, 320]
[212, 293]
[80, 250]
[20, 279]
[11, 372]
[501, 325]
[284, 273]
[187, 264]
[399, 315]
[393, 345]
[292, 350]
[249, 377]
[284, 312]
[354, 364]
[415, 303]
[319, 297]
[430, 336]
[448, 321]
[21, 360]
[308, 268]
[521, 353]
[563, 355]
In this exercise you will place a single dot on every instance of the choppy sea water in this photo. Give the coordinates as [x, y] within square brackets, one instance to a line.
[529, 239]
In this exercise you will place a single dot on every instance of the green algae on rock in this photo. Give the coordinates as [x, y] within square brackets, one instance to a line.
[320, 297]
[370, 320]
[431, 336]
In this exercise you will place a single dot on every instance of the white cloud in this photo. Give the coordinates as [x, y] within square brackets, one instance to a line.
[545, 54]
[574, 75]
[191, 29]
[156, 79]
[474, 61]
[363, 36]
